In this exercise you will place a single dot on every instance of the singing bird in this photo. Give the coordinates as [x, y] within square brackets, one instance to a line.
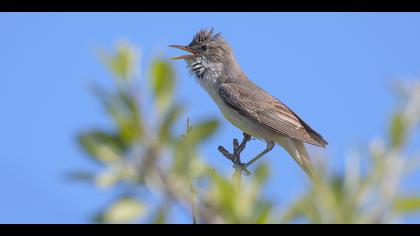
[243, 103]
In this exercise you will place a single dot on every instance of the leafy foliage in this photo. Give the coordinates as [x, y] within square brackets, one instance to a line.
[153, 168]
[143, 152]
[373, 195]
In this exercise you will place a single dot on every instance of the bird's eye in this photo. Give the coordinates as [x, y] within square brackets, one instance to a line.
[204, 48]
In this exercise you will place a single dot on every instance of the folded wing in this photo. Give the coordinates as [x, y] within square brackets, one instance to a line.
[257, 105]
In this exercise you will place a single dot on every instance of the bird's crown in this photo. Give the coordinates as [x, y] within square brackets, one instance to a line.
[205, 36]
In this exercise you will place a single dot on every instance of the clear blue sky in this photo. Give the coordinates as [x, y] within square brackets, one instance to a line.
[333, 69]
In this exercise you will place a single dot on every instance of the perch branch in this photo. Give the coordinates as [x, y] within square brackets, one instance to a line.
[235, 158]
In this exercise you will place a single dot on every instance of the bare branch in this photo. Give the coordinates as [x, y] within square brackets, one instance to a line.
[235, 158]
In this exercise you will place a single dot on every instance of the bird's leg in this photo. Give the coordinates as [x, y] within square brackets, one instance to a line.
[236, 156]
[270, 146]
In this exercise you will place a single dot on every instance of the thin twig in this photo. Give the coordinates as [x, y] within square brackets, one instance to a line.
[193, 203]
[179, 193]
[193, 190]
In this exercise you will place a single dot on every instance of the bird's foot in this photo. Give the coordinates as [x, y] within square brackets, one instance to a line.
[235, 157]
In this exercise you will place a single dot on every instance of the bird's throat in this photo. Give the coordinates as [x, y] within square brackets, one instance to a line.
[204, 69]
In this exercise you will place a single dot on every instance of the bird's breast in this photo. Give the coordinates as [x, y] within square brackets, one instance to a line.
[210, 81]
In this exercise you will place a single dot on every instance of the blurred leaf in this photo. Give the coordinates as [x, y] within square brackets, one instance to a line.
[98, 219]
[106, 179]
[133, 127]
[397, 130]
[161, 213]
[202, 131]
[162, 83]
[337, 187]
[295, 210]
[160, 218]
[261, 173]
[264, 215]
[83, 176]
[122, 61]
[198, 168]
[168, 122]
[407, 204]
[101, 146]
[124, 210]
[221, 194]
[185, 148]
[124, 110]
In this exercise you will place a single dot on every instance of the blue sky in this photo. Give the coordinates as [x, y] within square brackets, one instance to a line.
[334, 69]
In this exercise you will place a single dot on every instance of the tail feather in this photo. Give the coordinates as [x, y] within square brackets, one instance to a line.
[297, 150]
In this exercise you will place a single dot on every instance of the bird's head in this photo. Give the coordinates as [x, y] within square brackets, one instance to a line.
[207, 50]
[205, 44]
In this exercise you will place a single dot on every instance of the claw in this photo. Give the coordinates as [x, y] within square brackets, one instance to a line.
[235, 157]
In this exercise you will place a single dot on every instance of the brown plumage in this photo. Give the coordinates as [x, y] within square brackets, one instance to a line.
[243, 103]
[256, 104]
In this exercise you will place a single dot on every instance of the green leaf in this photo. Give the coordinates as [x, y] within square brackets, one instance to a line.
[124, 110]
[398, 130]
[102, 146]
[261, 173]
[161, 214]
[106, 179]
[162, 83]
[124, 210]
[264, 215]
[132, 128]
[407, 204]
[185, 148]
[202, 131]
[168, 122]
[297, 209]
[121, 62]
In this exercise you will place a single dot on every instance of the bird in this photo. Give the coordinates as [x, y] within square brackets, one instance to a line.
[243, 103]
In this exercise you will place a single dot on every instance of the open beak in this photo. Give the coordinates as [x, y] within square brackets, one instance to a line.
[185, 48]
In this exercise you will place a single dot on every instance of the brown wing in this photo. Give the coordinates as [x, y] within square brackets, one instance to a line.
[259, 106]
